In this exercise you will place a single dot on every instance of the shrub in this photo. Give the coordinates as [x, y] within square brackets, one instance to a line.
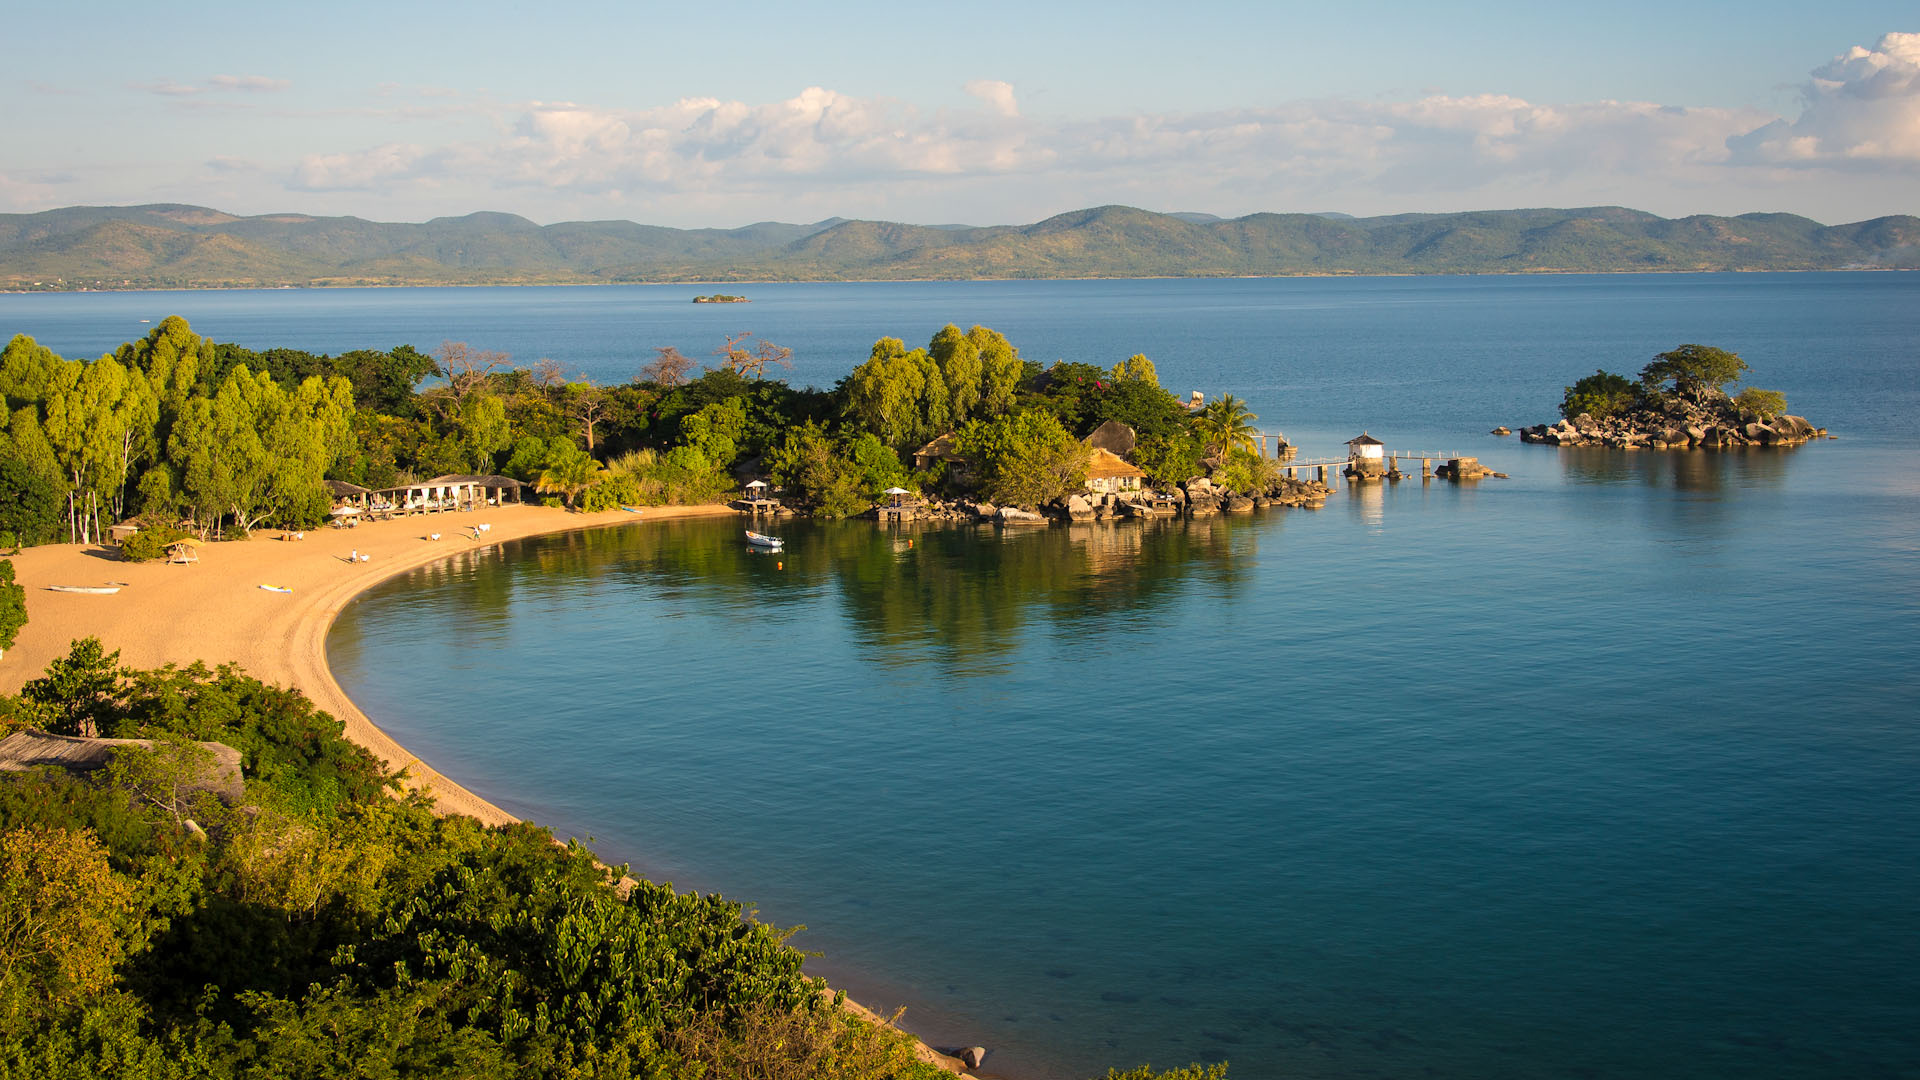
[13, 606]
[150, 542]
[1599, 395]
[1766, 404]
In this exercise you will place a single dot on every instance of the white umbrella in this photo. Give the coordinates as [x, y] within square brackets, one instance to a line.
[757, 484]
[345, 511]
[897, 491]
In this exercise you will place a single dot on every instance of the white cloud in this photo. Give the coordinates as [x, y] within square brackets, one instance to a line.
[997, 94]
[1862, 110]
[364, 171]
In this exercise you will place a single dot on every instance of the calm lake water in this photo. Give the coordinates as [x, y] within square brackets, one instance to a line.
[1604, 770]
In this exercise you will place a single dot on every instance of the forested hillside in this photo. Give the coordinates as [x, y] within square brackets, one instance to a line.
[172, 246]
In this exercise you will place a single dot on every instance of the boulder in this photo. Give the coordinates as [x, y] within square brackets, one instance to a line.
[1756, 432]
[1502, 430]
[1239, 504]
[972, 1056]
[1079, 509]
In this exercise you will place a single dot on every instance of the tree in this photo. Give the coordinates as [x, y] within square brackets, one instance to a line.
[13, 606]
[570, 472]
[670, 369]
[899, 396]
[29, 501]
[959, 359]
[1136, 368]
[78, 693]
[753, 361]
[585, 405]
[484, 430]
[1225, 424]
[62, 913]
[466, 368]
[1765, 404]
[1694, 370]
[1599, 395]
[715, 430]
[171, 776]
[254, 451]
[1024, 458]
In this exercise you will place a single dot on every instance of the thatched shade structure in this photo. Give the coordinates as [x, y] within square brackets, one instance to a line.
[343, 490]
[1109, 472]
[32, 749]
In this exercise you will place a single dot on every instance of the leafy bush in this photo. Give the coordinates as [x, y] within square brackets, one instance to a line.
[1694, 370]
[1025, 458]
[1247, 472]
[1765, 404]
[1599, 395]
[151, 542]
[13, 606]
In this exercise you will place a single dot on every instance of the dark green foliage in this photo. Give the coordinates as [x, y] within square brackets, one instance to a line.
[29, 500]
[78, 693]
[1600, 395]
[360, 935]
[13, 605]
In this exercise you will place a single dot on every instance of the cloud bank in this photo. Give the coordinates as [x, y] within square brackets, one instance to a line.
[1861, 110]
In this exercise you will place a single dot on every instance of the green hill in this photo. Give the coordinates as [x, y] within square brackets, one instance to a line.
[171, 245]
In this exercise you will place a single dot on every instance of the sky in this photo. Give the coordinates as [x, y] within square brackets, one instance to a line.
[719, 115]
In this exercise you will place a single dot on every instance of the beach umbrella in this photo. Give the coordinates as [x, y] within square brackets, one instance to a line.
[898, 491]
[345, 511]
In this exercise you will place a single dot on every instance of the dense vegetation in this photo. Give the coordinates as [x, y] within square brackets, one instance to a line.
[175, 246]
[1686, 375]
[175, 428]
[316, 926]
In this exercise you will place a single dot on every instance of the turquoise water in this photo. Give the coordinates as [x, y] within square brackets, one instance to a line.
[1604, 770]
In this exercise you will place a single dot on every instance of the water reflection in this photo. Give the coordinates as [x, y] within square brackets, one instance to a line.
[1682, 470]
[961, 596]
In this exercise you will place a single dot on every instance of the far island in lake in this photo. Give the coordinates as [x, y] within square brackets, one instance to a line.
[1680, 401]
[721, 298]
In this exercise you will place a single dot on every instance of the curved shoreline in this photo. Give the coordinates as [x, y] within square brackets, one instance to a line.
[215, 611]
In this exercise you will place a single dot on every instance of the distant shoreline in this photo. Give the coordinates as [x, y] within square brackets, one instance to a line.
[955, 281]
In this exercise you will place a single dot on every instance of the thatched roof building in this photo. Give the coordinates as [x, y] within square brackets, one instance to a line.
[1108, 471]
[31, 749]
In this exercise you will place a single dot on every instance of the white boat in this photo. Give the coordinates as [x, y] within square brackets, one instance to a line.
[276, 588]
[97, 590]
[758, 540]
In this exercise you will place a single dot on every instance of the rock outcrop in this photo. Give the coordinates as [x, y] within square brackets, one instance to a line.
[1677, 423]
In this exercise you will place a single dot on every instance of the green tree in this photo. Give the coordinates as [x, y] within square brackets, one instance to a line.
[63, 913]
[1136, 368]
[1225, 424]
[568, 473]
[1025, 458]
[78, 694]
[29, 501]
[255, 452]
[1599, 395]
[715, 431]
[1169, 458]
[1765, 404]
[13, 606]
[958, 357]
[1694, 370]
[897, 395]
[484, 430]
[26, 367]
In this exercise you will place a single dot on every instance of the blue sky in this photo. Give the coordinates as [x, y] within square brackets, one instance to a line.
[986, 113]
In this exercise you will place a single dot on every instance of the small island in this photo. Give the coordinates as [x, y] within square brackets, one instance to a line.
[1680, 401]
[721, 298]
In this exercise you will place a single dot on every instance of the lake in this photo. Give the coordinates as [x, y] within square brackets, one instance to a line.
[1603, 770]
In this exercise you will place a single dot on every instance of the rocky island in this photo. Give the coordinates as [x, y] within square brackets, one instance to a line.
[721, 298]
[1680, 401]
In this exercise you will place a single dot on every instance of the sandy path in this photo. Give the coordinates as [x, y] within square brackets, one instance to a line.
[215, 610]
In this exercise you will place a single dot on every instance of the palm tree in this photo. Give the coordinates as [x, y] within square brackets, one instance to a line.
[568, 477]
[1225, 424]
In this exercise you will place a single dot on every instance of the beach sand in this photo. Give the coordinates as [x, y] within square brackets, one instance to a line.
[215, 610]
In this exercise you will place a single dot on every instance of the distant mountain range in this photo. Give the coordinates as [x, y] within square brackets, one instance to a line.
[175, 246]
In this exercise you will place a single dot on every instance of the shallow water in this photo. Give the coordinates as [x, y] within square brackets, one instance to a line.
[1606, 769]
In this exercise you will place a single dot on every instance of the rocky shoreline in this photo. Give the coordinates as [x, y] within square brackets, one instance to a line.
[1195, 498]
[1635, 433]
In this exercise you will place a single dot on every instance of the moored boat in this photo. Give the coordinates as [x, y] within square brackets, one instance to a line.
[758, 540]
[96, 590]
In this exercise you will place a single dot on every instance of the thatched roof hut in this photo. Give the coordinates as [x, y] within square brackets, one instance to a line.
[1108, 471]
[31, 749]
[343, 490]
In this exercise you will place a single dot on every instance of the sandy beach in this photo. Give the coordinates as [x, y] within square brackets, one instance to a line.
[216, 611]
